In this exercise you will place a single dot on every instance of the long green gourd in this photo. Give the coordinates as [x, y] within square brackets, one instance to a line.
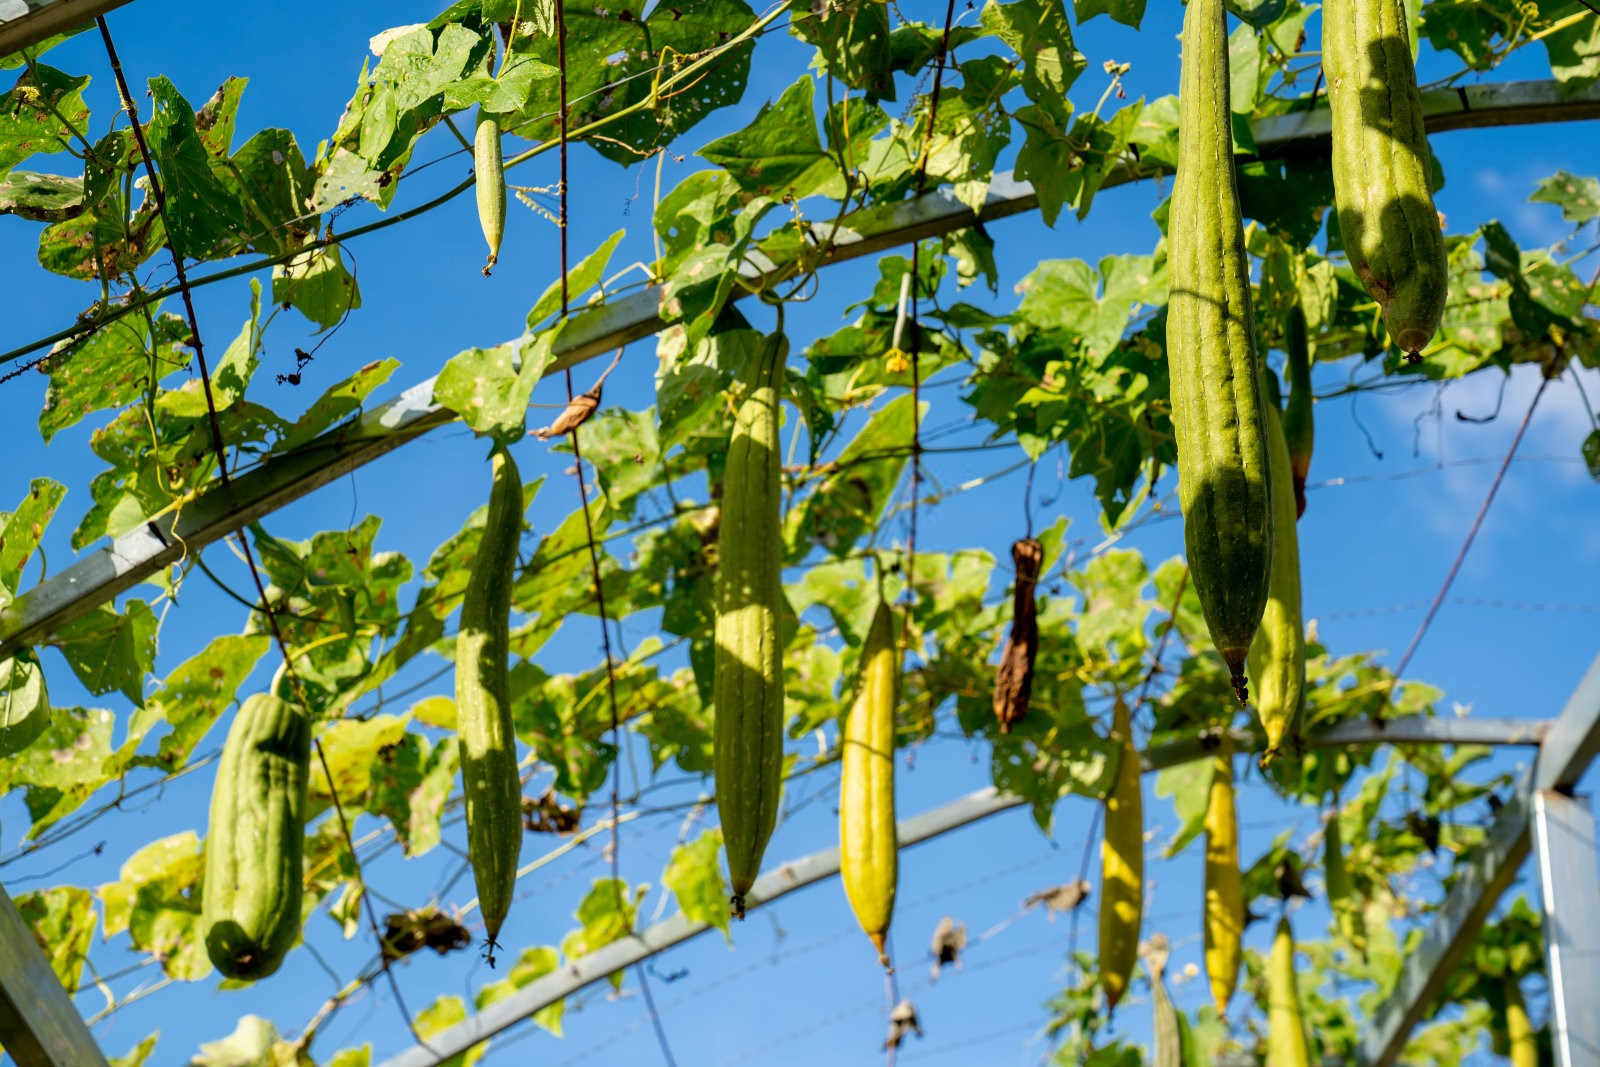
[1298, 428]
[868, 850]
[1286, 1031]
[489, 778]
[1217, 408]
[250, 907]
[1278, 654]
[747, 753]
[1380, 166]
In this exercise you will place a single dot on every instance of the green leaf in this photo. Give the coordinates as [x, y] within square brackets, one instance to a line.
[28, 114]
[204, 213]
[1189, 786]
[848, 503]
[626, 454]
[24, 702]
[108, 368]
[317, 284]
[352, 1057]
[195, 695]
[1575, 49]
[1591, 454]
[852, 43]
[63, 921]
[139, 1055]
[606, 914]
[1038, 32]
[40, 197]
[1114, 609]
[64, 765]
[489, 387]
[354, 750]
[110, 650]
[23, 529]
[1127, 12]
[409, 782]
[253, 1043]
[157, 900]
[580, 279]
[230, 375]
[1068, 294]
[694, 874]
[533, 964]
[778, 154]
[394, 105]
[442, 1014]
[1578, 198]
[1257, 13]
[340, 400]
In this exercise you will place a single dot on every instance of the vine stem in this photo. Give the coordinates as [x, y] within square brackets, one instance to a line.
[916, 331]
[219, 450]
[564, 192]
[688, 72]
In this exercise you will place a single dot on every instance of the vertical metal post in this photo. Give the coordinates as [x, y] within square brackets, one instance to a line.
[1569, 875]
[38, 1023]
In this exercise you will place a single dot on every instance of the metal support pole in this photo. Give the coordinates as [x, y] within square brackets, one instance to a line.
[38, 1024]
[1569, 875]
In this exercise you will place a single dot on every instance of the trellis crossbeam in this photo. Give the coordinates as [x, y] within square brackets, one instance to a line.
[813, 868]
[285, 477]
[48, 19]
[1568, 747]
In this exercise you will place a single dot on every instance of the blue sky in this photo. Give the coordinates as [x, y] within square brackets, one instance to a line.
[799, 985]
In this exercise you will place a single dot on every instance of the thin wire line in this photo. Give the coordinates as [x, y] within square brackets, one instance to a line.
[577, 463]
[1472, 533]
[220, 452]
[655, 1017]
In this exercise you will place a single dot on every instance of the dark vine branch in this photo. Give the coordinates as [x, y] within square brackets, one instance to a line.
[219, 450]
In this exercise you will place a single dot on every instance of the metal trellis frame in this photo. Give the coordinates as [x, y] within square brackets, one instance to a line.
[282, 478]
[49, 18]
[1565, 753]
[1576, 732]
[39, 1024]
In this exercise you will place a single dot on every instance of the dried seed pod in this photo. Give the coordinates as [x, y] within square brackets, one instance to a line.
[1013, 682]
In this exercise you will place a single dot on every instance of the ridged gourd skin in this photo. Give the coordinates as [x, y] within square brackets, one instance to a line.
[250, 907]
[1168, 1025]
[1347, 910]
[1121, 865]
[489, 778]
[1224, 885]
[1286, 1032]
[489, 173]
[1520, 1034]
[747, 754]
[868, 848]
[1298, 429]
[1215, 371]
[1278, 654]
[1381, 166]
